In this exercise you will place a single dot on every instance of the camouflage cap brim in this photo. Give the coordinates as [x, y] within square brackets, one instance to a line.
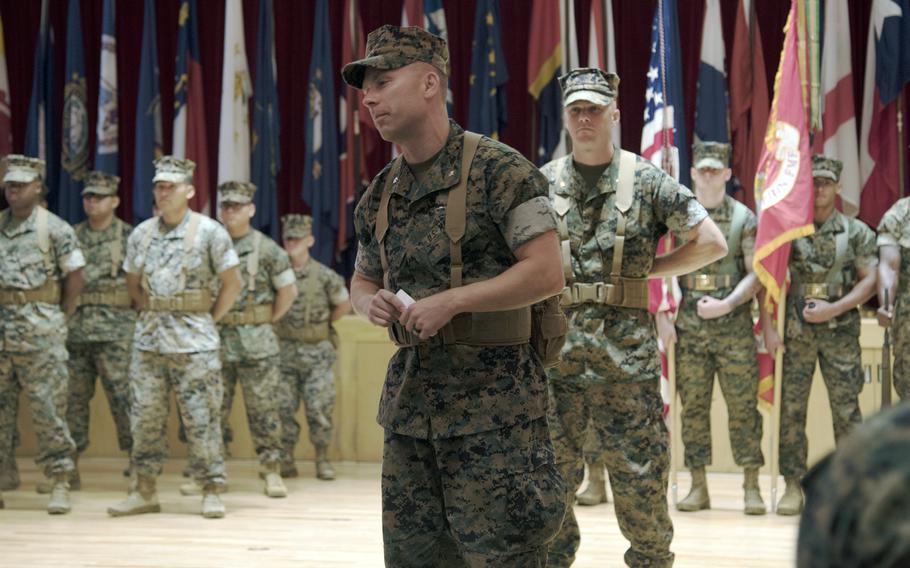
[234, 197]
[18, 175]
[97, 190]
[589, 96]
[170, 177]
[825, 174]
[354, 72]
[710, 162]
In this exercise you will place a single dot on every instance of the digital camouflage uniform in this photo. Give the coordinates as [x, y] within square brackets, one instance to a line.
[177, 349]
[249, 351]
[610, 368]
[468, 475]
[307, 352]
[724, 346]
[101, 330]
[894, 230]
[857, 498]
[33, 333]
[835, 343]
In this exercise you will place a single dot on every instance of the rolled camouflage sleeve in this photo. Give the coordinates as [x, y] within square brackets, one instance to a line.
[135, 257]
[222, 250]
[677, 206]
[66, 246]
[335, 289]
[282, 274]
[517, 195]
[864, 245]
[367, 261]
[891, 227]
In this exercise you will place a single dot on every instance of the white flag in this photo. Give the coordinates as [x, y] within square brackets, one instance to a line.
[236, 90]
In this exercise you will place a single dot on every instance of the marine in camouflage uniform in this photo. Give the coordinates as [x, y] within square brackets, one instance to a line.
[832, 272]
[41, 268]
[101, 330]
[249, 347]
[307, 350]
[857, 498]
[894, 275]
[714, 331]
[172, 264]
[468, 474]
[610, 370]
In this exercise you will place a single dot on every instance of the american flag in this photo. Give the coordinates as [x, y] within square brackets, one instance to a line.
[658, 144]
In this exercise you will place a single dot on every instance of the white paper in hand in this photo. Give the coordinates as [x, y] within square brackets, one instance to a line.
[405, 298]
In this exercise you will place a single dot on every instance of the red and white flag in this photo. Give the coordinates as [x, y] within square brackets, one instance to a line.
[837, 137]
[602, 43]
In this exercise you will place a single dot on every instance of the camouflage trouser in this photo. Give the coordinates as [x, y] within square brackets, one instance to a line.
[839, 356]
[9, 440]
[43, 376]
[900, 350]
[592, 449]
[307, 373]
[627, 418]
[260, 381]
[732, 358]
[110, 362]
[493, 499]
[196, 380]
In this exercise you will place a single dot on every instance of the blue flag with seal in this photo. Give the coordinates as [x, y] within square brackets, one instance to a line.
[107, 149]
[489, 75]
[41, 126]
[320, 175]
[74, 154]
[266, 154]
[149, 139]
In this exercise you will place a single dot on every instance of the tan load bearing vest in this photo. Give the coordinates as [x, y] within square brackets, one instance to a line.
[540, 324]
[311, 332]
[195, 300]
[117, 297]
[618, 290]
[834, 285]
[251, 314]
[727, 274]
[50, 291]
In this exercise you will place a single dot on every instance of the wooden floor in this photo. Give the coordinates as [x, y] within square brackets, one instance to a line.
[323, 524]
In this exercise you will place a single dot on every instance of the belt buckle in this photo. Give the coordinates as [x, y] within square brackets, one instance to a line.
[705, 283]
[817, 291]
[600, 292]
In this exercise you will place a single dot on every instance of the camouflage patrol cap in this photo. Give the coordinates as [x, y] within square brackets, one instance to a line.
[236, 192]
[22, 169]
[715, 155]
[825, 167]
[101, 183]
[589, 84]
[174, 170]
[857, 498]
[391, 47]
[295, 226]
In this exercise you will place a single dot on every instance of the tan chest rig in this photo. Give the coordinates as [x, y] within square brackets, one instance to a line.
[194, 300]
[50, 291]
[116, 296]
[617, 290]
[542, 324]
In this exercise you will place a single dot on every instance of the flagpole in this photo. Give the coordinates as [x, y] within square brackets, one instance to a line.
[778, 389]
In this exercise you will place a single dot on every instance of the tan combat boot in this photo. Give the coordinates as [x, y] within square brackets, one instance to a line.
[698, 498]
[288, 467]
[753, 501]
[190, 488]
[59, 503]
[792, 501]
[274, 486]
[212, 507]
[596, 491]
[324, 469]
[142, 498]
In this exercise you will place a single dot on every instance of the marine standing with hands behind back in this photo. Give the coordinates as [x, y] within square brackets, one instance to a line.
[172, 263]
[308, 347]
[41, 276]
[461, 224]
[613, 206]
